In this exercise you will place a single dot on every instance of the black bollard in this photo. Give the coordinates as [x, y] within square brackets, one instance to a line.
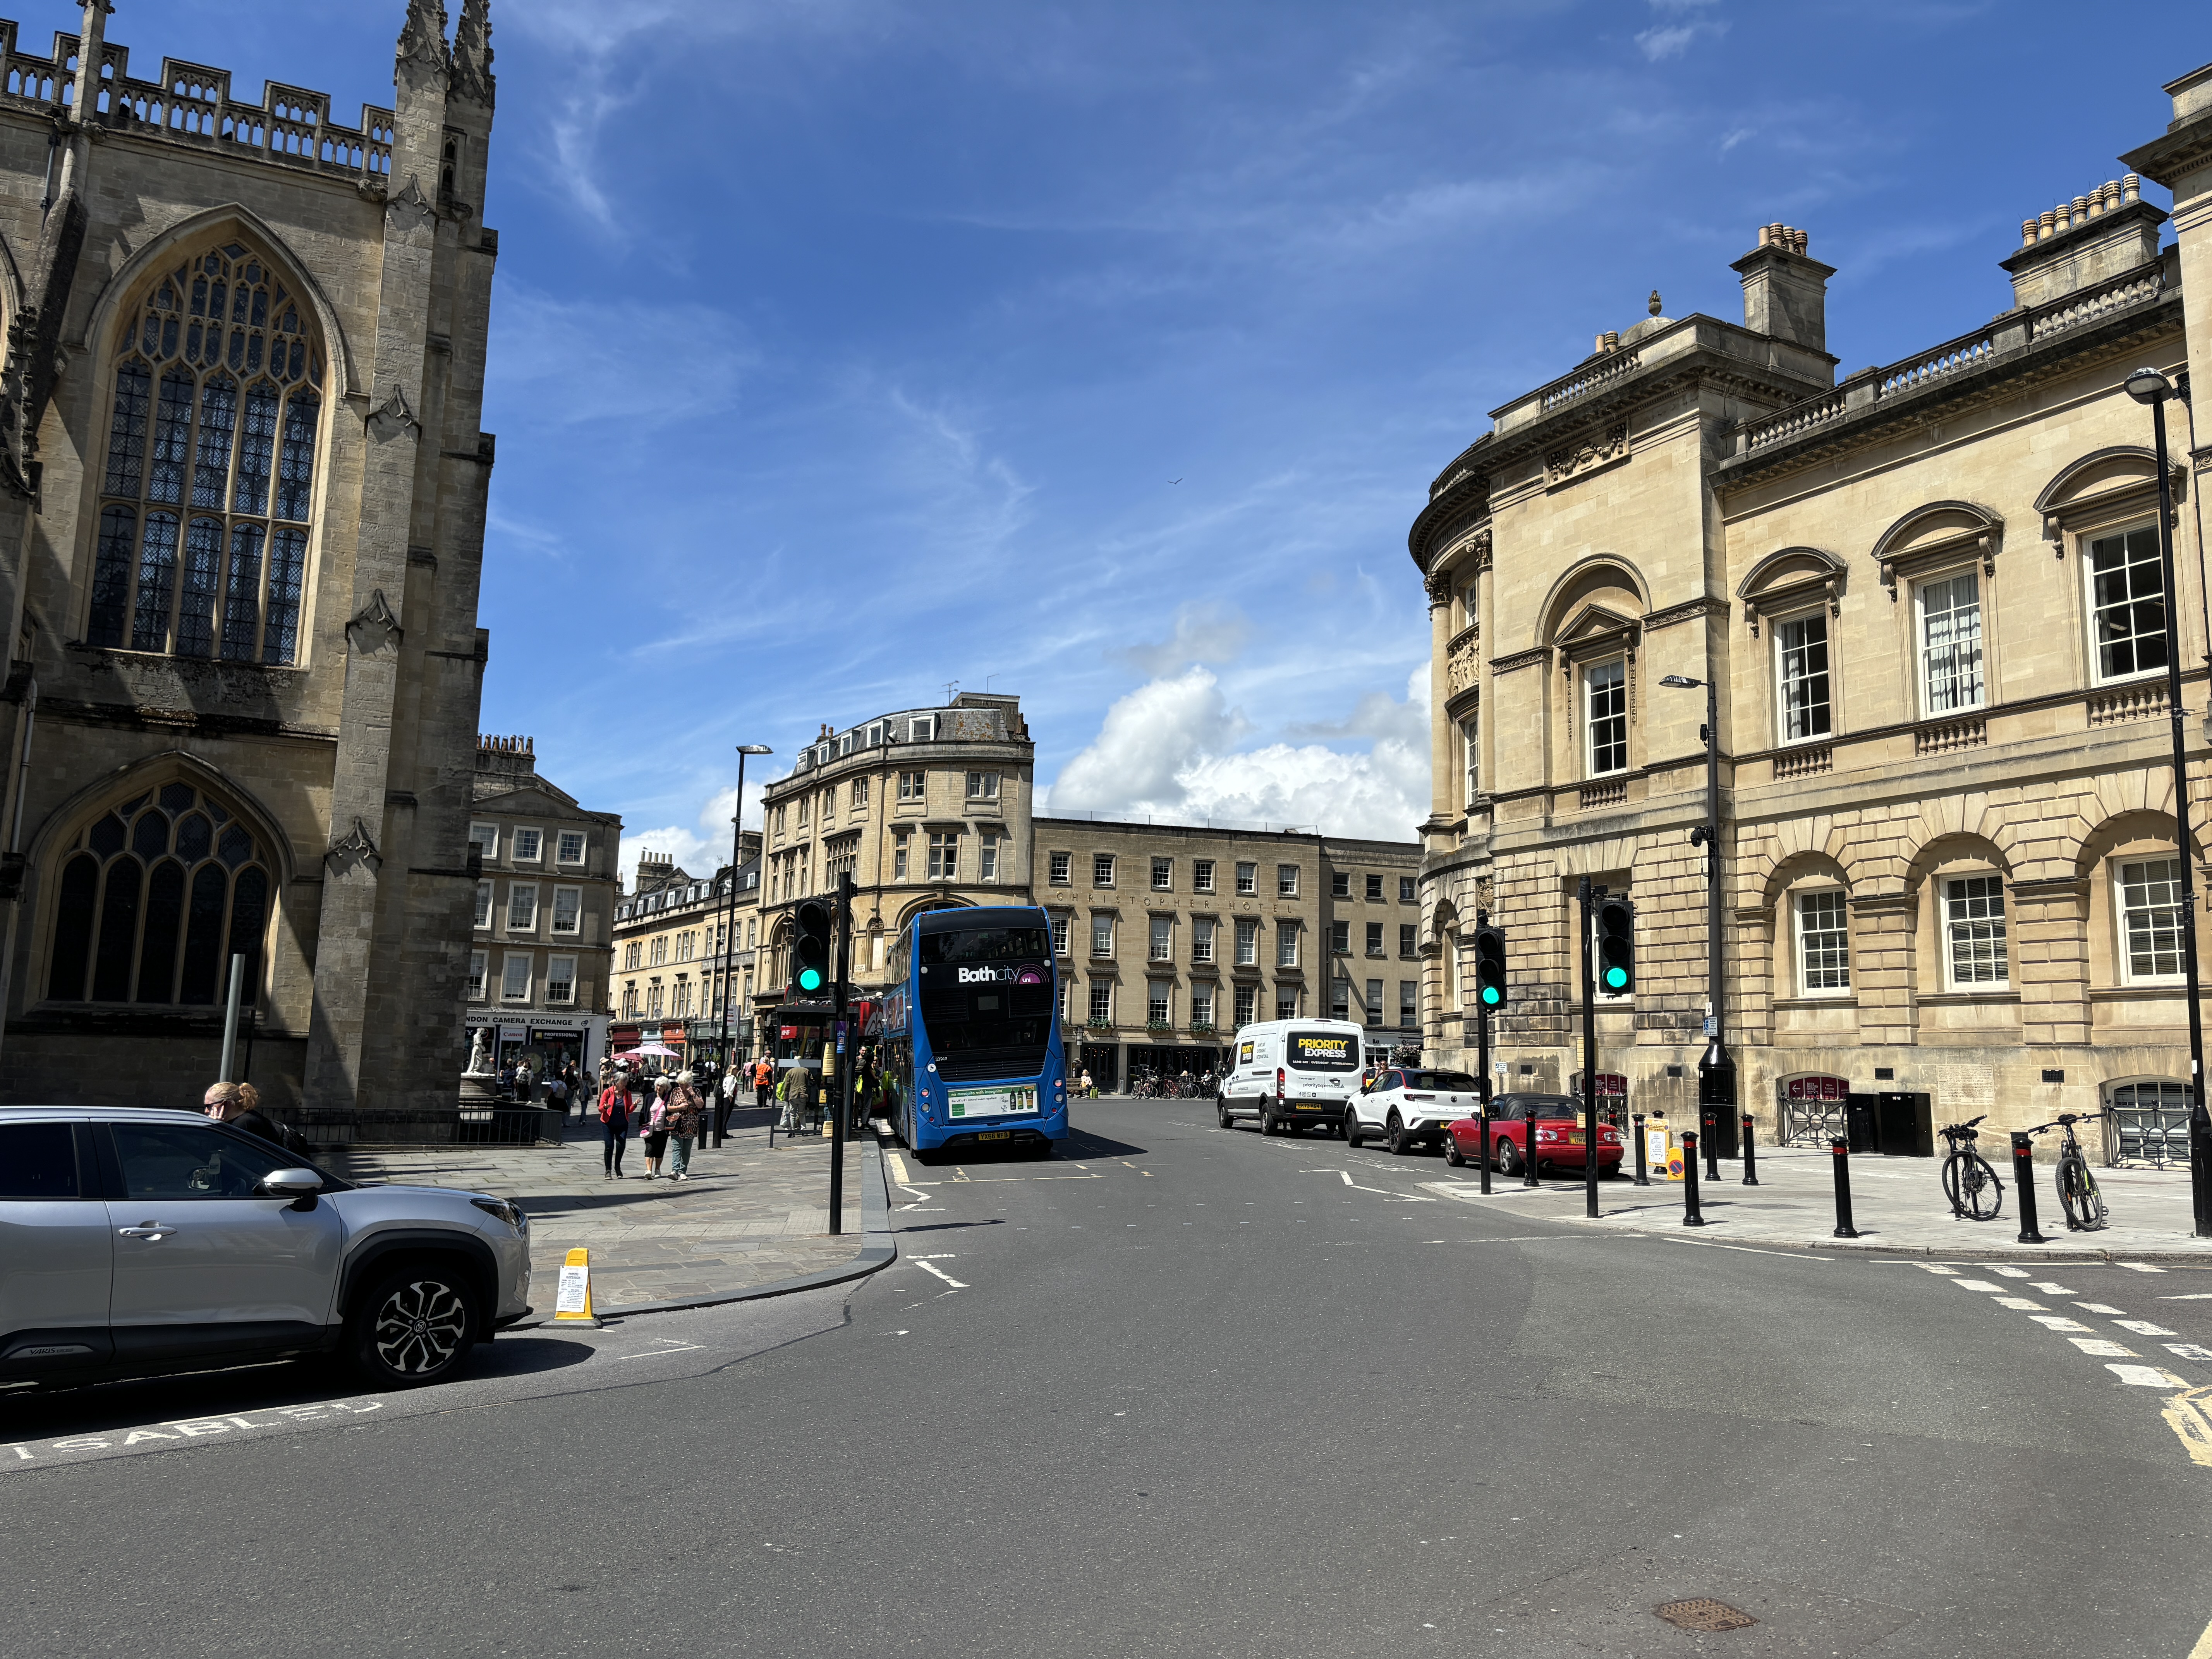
[1842, 1149]
[1750, 1156]
[2023, 1171]
[1692, 1217]
[1712, 1144]
[1482, 1113]
[1636, 1151]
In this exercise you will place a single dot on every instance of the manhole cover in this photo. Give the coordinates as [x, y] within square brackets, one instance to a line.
[1703, 1613]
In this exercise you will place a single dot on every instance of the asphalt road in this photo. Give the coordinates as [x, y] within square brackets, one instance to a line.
[1182, 1391]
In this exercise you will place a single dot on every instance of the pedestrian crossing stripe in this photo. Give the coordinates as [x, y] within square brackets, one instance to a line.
[571, 1305]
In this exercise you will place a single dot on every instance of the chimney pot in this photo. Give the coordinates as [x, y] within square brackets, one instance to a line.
[2131, 189]
[2046, 226]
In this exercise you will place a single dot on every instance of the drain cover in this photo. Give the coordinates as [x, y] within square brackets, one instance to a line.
[1703, 1613]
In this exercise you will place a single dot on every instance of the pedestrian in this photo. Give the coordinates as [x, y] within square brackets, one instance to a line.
[239, 1104]
[763, 1081]
[795, 1092]
[685, 1114]
[615, 1119]
[1090, 1089]
[656, 1127]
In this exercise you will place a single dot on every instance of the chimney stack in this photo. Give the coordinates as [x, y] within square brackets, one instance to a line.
[1786, 290]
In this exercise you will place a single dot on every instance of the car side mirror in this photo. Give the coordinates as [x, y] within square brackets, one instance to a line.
[289, 1183]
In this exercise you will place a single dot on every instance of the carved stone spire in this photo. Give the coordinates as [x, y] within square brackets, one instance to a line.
[422, 38]
[472, 75]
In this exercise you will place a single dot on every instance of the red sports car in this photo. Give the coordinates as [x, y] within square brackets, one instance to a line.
[1558, 1122]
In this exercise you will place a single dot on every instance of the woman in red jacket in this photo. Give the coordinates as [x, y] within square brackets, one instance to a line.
[614, 1113]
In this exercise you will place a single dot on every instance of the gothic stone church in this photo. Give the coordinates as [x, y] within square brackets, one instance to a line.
[242, 492]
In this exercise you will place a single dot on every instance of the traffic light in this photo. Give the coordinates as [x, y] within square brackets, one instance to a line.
[1616, 946]
[1490, 968]
[810, 947]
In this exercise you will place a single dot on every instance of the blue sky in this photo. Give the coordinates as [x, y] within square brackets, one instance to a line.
[843, 348]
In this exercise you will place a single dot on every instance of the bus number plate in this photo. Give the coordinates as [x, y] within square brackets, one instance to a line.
[964, 1103]
[996, 1134]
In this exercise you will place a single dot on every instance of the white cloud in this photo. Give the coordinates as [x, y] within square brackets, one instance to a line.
[1204, 632]
[1167, 750]
[1664, 41]
[701, 850]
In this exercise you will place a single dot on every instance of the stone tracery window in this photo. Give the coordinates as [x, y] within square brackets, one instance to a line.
[205, 493]
[154, 897]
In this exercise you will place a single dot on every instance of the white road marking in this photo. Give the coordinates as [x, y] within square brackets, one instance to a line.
[2146, 1376]
[2199, 1295]
[942, 1274]
[2060, 1322]
[2101, 1348]
[1714, 1244]
[2050, 1289]
[2098, 1307]
[1975, 1284]
[1346, 1173]
[671, 1347]
[2144, 1328]
[2020, 1304]
[2139, 1266]
[2010, 1273]
[2189, 1351]
[1936, 1267]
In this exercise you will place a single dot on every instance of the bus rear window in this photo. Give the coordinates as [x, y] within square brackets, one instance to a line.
[1017, 946]
[1323, 1051]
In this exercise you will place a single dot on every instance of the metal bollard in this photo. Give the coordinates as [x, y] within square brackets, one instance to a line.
[1691, 1216]
[1637, 1151]
[2023, 1171]
[1750, 1155]
[1712, 1144]
[1842, 1149]
[1482, 1114]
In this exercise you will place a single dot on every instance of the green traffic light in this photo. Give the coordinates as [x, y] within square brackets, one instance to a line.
[809, 979]
[1616, 978]
[1492, 995]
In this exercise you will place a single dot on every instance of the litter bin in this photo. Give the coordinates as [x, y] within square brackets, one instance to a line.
[1863, 1122]
[1907, 1125]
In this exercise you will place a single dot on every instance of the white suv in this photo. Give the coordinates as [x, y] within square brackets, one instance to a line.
[1411, 1107]
[134, 1241]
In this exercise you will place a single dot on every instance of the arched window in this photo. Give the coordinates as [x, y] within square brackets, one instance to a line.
[154, 896]
[201, 549]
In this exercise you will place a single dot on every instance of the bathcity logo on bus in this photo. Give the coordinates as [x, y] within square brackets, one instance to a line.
[1027, 974]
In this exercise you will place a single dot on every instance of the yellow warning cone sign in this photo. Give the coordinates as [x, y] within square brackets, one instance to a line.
[572, 1305]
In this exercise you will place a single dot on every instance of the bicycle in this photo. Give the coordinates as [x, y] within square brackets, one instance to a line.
[1969, 1183]
[2077, 1187]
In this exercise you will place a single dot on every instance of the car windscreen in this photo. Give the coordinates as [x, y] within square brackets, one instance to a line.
[1540, 1106]
[1447, 1082]
[987, 993]
[1322, 1051]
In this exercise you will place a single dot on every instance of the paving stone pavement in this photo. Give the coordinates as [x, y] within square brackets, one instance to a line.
[745, 1216]
[1897, 1203]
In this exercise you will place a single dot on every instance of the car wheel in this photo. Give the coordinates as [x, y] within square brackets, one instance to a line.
[1452, 1155]
[1351, 1126]
[414, 1326]
[1509, 1157]
[1400, 1142]
[1221, 1109]
[1267, 1121]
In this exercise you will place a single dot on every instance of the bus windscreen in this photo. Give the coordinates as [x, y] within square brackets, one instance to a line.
[986, 998]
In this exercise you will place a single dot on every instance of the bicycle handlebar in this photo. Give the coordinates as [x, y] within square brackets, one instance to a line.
[2068, 1119]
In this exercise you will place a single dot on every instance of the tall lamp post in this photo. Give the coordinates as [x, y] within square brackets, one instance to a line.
[1716, 1071]
[2151, 387]
[730, 927]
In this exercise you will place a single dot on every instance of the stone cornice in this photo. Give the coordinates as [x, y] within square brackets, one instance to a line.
[2182, 149]
[1533, 657]
[1689, 611]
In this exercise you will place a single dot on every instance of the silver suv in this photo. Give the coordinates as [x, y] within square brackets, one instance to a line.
[135, 1241]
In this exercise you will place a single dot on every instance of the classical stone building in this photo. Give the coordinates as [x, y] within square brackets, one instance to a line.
[242, 490]
[681, 944]
[546, 897]
[1169, 936]
[1931, 594]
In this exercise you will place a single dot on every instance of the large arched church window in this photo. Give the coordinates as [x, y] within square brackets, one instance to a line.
[206, 491]
[154, 896]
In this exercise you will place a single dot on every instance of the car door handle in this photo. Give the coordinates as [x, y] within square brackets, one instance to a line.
[152, 1231]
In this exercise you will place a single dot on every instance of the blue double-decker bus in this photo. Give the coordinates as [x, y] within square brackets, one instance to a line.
[970, 1031]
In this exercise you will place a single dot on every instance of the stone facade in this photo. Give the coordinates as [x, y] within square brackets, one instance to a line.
[1929, 595]
[290, 681]
[680, 942]
[934, 808]
[546, 896]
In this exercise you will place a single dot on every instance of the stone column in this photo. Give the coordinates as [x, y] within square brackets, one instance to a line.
[1444, 798]
[1881, 966]
[2050, 960]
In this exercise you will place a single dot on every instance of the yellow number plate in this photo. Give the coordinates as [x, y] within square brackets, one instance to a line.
[996, 1134]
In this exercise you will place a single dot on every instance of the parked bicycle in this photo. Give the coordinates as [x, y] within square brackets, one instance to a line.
[1969, 1183]
[2077, 1187]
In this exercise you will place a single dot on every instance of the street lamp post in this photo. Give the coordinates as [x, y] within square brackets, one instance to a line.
[1716, 1071]
[2150, 386]
[730, 929]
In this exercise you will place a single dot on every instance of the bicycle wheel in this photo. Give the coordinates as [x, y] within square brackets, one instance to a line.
[2078, 1195]
[1979, 1186]
[1951, 1167]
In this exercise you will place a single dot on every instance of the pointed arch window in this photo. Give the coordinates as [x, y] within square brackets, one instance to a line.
[155, 896]
[208, 482]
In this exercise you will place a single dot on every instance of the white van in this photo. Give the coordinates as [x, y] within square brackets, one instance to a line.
[1293, 1074]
